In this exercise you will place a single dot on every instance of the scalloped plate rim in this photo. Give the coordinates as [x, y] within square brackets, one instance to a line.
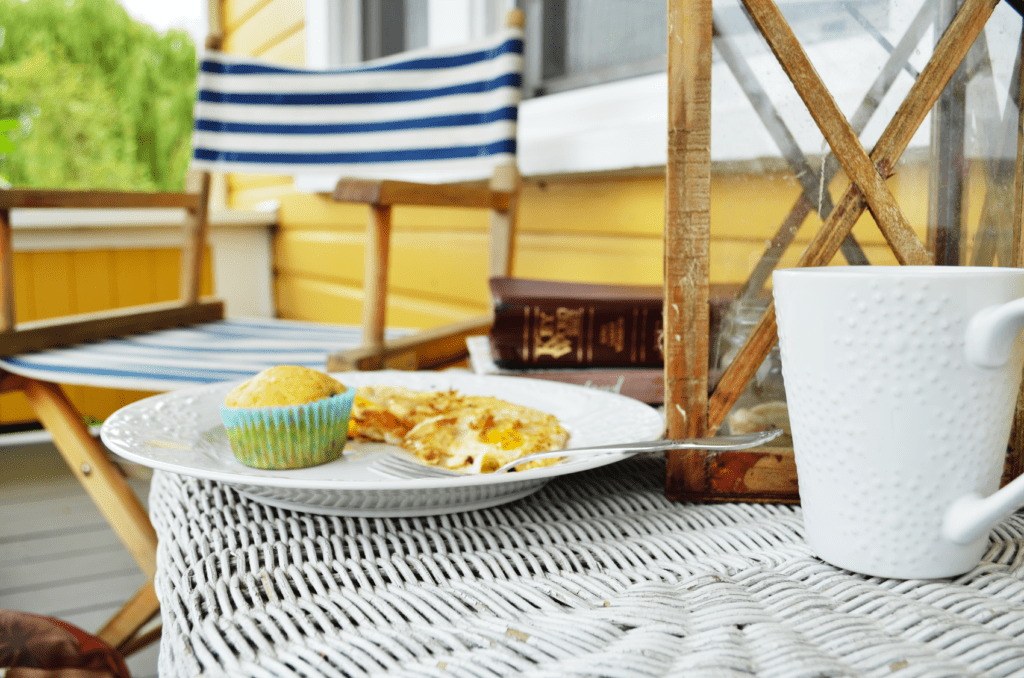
[621, 409]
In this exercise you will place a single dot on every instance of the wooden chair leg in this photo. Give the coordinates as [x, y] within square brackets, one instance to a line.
[111, 494]
[98, 475]
[122, 628]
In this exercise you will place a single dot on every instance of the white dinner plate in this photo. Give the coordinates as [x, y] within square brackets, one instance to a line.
[181, 431]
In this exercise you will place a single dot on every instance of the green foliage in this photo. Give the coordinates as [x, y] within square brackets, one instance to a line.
[102, 101]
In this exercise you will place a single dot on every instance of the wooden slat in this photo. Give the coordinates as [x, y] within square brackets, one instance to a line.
[56, 546]
[687, 231]
[52, 277]
[32, 198]
[1017, 260]
[62, 599]
[428, 349]
[33, 574]
[42, 334]
[93, 286]
[840, 136]
[387, 192]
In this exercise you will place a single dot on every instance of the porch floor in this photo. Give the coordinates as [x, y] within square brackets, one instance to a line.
[58, 556]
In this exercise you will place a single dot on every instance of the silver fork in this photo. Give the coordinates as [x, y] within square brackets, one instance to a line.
[399, 465]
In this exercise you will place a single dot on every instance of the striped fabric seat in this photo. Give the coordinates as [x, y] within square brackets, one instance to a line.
[435, 115]
[226, 350]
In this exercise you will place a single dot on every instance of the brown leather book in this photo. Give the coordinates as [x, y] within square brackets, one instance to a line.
[539, 323]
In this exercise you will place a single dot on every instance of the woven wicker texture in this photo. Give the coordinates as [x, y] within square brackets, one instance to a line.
[596, 575]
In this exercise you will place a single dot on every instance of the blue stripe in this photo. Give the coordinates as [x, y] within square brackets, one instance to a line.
[458, 120]
[344, 98]
[166, 373]
[510, 46]
[179, 352]
[354, 157]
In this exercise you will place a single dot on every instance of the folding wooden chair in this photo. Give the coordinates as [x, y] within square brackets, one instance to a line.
[408, 127]
[85, 456]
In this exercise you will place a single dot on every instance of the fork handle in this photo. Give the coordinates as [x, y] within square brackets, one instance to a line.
[734, 442]
[738, 442]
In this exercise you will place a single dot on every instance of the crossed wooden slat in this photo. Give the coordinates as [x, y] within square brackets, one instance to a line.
[690, 411]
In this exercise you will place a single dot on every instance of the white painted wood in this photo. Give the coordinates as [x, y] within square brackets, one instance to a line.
[65, 512]
[243, 263]
[44, 573]
[76, 594]
[41, 547]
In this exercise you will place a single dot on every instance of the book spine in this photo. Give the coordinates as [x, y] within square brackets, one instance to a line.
[577, 334]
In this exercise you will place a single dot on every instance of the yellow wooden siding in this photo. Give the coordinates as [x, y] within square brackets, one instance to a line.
[56, 283]
[606, 229]
[258, 27]
[290, 50]
[273, 30]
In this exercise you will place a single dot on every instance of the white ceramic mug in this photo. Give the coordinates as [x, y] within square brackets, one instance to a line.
[901, 383]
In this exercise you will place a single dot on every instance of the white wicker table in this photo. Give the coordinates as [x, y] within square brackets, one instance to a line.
[596, 575]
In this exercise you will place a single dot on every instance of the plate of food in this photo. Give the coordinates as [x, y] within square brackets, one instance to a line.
[463, 421]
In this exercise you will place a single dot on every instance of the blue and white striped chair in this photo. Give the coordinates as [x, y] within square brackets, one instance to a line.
[403, 125]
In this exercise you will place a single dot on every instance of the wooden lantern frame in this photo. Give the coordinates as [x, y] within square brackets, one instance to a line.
[768, 474]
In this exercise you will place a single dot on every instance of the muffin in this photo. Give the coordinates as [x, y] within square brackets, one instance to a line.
[287, 416]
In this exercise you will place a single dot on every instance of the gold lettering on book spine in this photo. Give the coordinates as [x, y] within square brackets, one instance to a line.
[554, 332]
[613, 335]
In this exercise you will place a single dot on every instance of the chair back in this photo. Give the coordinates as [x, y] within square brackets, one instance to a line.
[431, 115]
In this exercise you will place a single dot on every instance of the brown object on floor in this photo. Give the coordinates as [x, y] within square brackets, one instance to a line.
[33, 645]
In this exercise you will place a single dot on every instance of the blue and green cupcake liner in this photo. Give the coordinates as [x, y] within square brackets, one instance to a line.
[296, 436]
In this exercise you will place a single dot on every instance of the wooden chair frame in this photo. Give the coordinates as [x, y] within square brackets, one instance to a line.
[85, 456]
[691, 411]
[442, 346]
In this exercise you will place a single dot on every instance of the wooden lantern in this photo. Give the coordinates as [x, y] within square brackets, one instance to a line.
[769, 474]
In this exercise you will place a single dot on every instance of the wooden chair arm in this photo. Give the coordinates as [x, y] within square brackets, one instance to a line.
[16, 198]
[386, 192]
[38, 335]
[426, 350]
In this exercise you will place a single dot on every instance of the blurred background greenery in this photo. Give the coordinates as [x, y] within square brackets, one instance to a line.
[101, 100]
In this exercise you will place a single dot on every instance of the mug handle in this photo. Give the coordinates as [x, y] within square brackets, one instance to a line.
[991, 334]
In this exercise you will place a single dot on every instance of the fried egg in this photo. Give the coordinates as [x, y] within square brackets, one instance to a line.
[469, 434]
